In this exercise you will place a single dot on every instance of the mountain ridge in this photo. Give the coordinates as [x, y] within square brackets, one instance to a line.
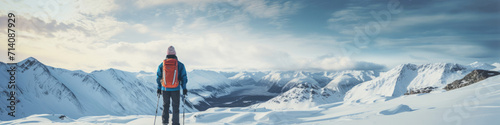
[405, 78]
[121, 92]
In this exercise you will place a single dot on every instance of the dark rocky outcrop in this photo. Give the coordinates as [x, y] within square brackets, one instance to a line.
[471, 78]
[422, 90]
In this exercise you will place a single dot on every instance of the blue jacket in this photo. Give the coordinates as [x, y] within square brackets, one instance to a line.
[182, 76]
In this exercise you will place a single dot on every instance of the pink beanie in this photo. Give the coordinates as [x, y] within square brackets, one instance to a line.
[171, 50]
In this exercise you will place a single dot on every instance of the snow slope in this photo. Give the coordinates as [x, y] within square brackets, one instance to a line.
[402, 78]
[477, 104]
[45, 89]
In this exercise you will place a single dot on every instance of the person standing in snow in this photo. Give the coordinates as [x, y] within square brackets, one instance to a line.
[171, 90]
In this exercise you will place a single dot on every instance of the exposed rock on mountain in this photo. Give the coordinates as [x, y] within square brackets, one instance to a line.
[471, 78]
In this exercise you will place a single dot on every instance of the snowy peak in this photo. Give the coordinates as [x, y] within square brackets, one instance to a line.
[29, 59]
[299, 79]
[198, 79]
[278, 77]
[303, 96]
[282, 81]
[299, 74]
[277, 80]
[344, 81]
[305, 91]
[242, 76]
[404, 78]
[76, 93]
[483, 66]
[255, 76]
[28, 63]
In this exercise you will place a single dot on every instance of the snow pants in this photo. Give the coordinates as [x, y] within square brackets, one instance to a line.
[175, 96]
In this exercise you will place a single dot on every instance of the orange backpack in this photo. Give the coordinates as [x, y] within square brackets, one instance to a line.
[170, 73]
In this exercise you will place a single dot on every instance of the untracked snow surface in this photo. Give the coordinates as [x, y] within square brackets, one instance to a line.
[477, 104]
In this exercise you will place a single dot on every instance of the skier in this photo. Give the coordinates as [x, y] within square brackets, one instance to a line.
[169, 81]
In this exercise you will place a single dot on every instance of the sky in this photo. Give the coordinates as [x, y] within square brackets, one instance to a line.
[253, 35]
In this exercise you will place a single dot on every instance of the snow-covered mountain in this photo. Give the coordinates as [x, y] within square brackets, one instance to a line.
[309, 93]
[345, 80]
[407, 77]
[212, 89]
[277, 80]
[461, 106]
[116, 92]
[282, 81]
[247, 76]
[302, 96]
[247, 88]
[483, 66]
[45, 89]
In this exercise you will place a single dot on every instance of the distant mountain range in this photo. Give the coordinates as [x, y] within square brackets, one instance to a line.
[44, 89]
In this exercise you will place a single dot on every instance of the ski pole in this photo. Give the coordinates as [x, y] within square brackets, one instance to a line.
[157, 102]
[183, 108]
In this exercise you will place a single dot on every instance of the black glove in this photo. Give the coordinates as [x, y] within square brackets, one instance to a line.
[158, 92]
[185, 91]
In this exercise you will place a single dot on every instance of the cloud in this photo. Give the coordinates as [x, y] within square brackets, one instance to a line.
[267, 9]
[208, 44]
[250, 34]
[119, 63]
[345, 20]
[418, 57]
[65, 11]
[362, 65]
[257, 8]
[141, 28]
[70, 21]
[275, 11]
[152, 3]
[426, 30]
[343, 63]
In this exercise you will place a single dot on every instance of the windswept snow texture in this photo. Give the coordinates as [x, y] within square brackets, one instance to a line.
[477, 104]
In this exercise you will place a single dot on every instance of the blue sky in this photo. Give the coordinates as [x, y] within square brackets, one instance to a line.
[234, 35]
